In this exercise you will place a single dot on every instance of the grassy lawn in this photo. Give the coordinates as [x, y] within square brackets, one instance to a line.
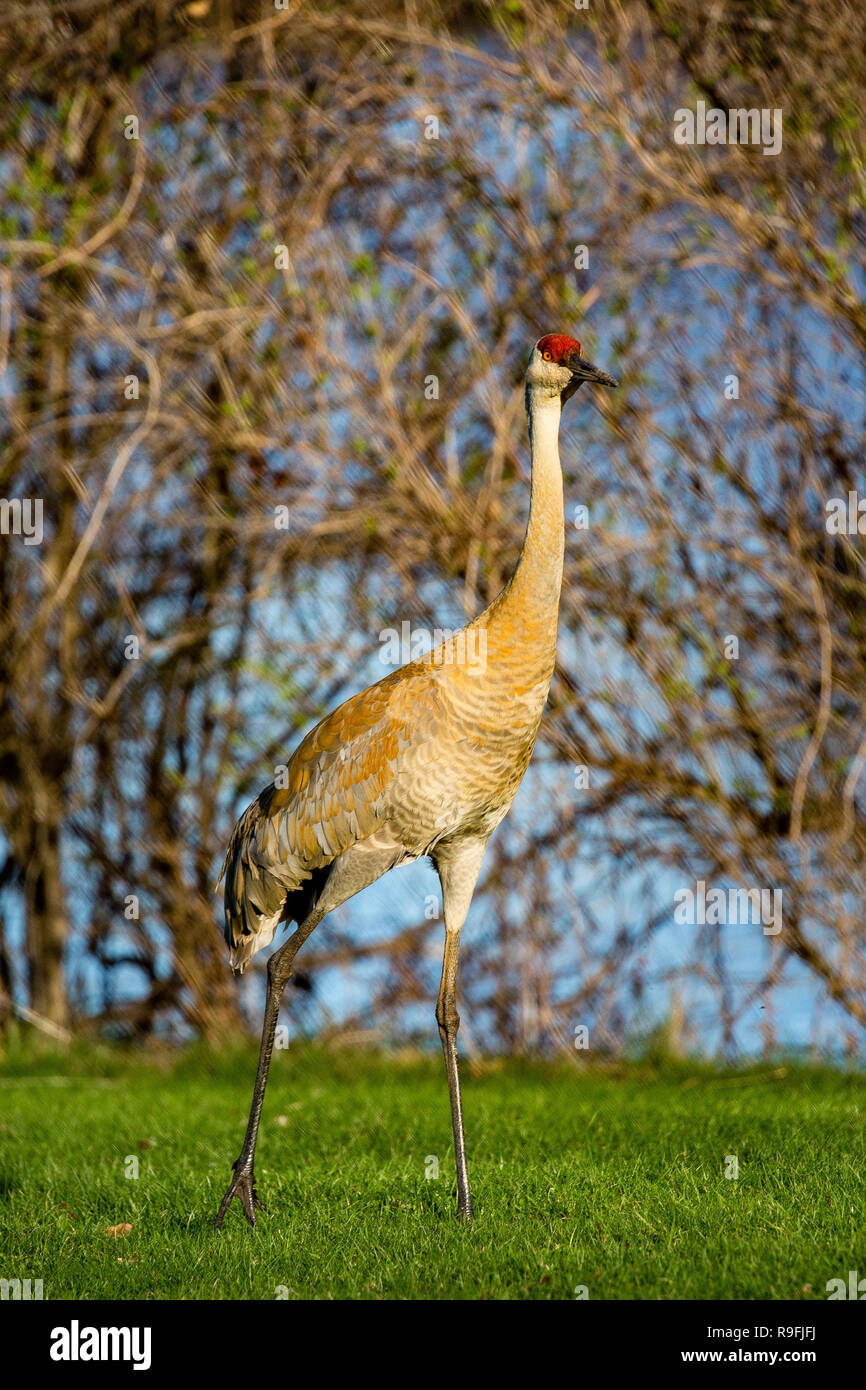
[610, 1180]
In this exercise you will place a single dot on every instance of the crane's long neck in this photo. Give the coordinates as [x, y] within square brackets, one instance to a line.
[529, 605]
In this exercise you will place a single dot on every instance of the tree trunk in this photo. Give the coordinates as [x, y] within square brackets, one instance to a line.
[46, 924]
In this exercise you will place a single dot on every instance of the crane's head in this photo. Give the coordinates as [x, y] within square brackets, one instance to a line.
[557, 367]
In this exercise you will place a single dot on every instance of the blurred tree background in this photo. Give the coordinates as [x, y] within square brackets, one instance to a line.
[259, 256]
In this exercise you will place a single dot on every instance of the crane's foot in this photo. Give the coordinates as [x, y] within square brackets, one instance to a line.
[242, 1186]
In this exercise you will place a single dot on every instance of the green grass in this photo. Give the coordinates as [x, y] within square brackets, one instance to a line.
[613, 1181]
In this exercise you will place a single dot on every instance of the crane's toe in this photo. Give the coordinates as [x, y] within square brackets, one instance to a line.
[242, 1186]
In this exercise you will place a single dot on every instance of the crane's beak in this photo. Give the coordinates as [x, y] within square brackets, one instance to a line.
[581, 370]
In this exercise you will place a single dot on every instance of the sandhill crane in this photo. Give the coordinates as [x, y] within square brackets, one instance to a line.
[424, 762]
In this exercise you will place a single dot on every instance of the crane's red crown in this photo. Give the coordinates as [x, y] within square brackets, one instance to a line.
[556, 346]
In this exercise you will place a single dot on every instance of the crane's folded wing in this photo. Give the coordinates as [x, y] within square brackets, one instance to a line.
[333, 797]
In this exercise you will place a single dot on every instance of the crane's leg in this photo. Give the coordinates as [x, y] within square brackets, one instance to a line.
[458, 869]
[449, 1021]
[243, 1184]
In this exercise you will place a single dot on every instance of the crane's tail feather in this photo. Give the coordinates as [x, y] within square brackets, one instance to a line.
[260, 894]
[245, 947]
[254, 898]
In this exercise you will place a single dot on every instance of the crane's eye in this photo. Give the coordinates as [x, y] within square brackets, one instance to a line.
[548, 356]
